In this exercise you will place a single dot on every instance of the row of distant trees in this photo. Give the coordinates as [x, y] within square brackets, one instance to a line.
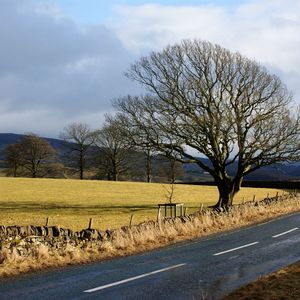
[107, 153]
[116, 153]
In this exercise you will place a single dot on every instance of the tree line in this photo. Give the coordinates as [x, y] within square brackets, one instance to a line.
[84, 153]
[200, 100]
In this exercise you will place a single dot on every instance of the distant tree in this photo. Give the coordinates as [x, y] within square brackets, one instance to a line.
[79, 138]
[113, 149]
[169, 169]
[13, 159]
[205, 100]
[138, 141]
[35, 153]
[53, 170]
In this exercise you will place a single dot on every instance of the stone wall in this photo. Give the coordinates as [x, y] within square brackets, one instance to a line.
[95, 234]
[23, 238]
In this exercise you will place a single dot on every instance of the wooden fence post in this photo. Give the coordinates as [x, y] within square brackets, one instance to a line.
[185, 211]
[158, 214]
[201, 207]
[90, 223]
[130, 220]
[47, 221]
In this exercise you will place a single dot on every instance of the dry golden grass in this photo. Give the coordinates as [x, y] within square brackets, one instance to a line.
[70, 203]
[142, 237]
[283, 284]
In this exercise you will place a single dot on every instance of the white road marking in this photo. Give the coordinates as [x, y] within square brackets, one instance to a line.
[237, 248]
[283, 233]
[132, 278]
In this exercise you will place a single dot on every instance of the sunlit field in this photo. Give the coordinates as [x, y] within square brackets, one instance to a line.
[71, 203]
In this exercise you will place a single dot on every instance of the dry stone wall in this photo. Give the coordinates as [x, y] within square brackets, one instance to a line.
[23, 238]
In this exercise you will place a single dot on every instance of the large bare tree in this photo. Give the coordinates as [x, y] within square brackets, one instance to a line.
[204, 99]
[79, 137]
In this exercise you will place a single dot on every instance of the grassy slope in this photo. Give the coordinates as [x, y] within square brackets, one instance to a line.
[283, 284]
[70, 203]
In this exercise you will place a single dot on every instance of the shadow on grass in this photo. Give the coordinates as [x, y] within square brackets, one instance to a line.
[36, 206]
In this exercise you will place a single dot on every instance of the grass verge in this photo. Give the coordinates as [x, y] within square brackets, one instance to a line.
[283, 284]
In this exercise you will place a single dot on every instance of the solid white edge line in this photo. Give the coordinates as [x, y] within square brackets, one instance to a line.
[237, 248]
[132, 278]
[283, 233]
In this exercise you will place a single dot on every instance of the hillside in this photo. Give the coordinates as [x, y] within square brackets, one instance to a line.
[11, 138]
[278, 172]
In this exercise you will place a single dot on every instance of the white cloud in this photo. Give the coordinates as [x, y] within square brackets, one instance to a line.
[267, 31]
[153, 26]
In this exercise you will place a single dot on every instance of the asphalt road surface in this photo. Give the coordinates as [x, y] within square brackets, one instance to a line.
[201, 269]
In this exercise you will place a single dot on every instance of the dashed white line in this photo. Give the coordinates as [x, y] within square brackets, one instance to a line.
[283, 233]
[176, 266]
[237, 248]
[132, 278]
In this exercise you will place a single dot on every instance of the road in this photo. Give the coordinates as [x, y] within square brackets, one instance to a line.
[201, 269]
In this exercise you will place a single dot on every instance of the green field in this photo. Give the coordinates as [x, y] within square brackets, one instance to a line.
[70, 203]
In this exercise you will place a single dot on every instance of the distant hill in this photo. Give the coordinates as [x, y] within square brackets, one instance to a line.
[278, 172]
[11, 138]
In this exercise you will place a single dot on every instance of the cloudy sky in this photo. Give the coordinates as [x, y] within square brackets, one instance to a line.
[63, 60]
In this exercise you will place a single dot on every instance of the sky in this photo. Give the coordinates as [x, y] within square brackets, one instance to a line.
[63, 61]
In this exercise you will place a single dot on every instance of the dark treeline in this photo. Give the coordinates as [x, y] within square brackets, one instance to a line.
[104, 154]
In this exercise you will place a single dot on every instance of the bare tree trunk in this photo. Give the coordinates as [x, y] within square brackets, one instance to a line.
[114, 170]
[227, 188]
[173, 161]
[225, 196]
[148, 166]
[114, 177]
[81, 164]
[15, 170]
[33, 169]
